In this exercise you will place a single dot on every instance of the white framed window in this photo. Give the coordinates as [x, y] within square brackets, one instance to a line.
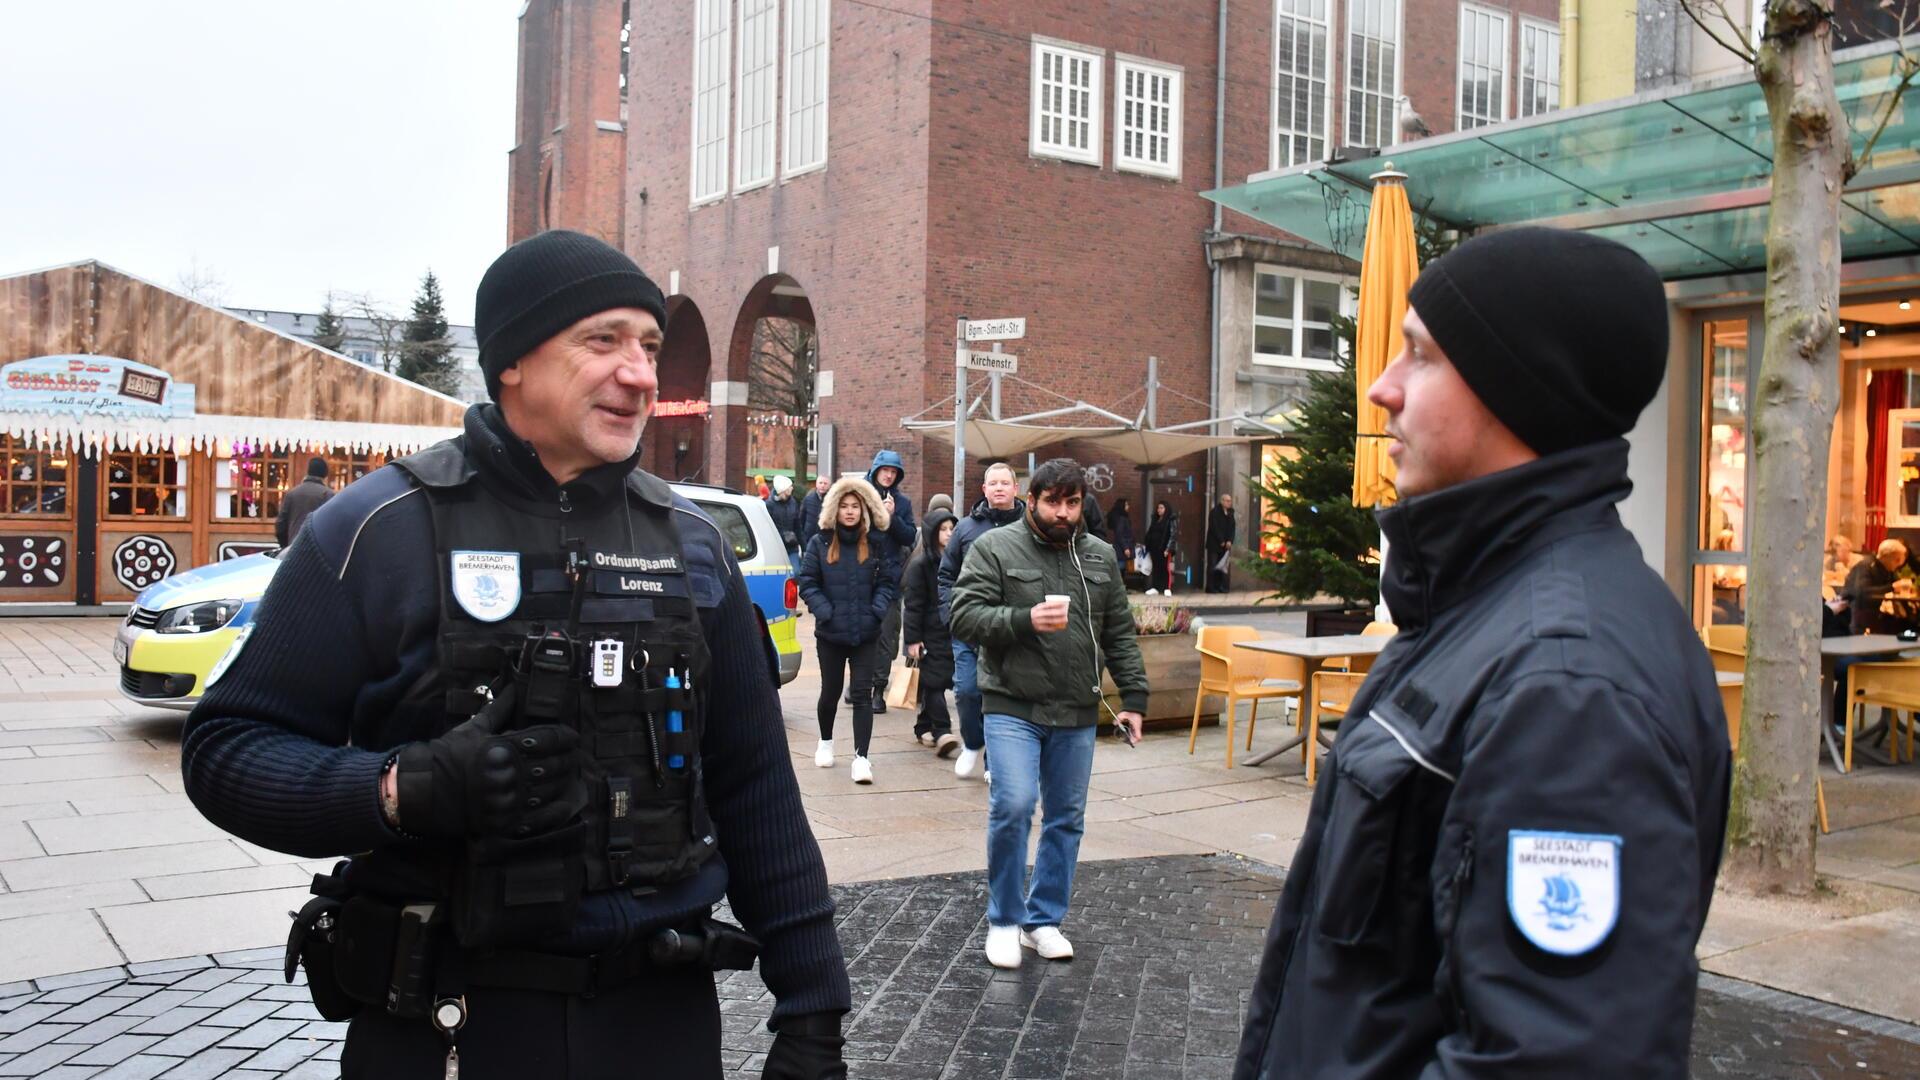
[1539, 68]
[1301, 82]
[1146, 117]
[759, 52]
[711, 64]
[1373, 72]
[1483, 68]
[809, 25]
[1293, 318]
[1066, 103]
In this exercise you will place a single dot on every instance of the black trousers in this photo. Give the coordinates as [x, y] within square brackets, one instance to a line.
[887, 647]
[836, 661]
[933, 718]
[664, 1025]
[1162, 576]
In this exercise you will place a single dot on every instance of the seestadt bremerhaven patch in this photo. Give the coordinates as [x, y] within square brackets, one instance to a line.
[1563, 889]
[486, 584]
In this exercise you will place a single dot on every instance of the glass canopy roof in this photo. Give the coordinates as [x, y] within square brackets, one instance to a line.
[1678, 174]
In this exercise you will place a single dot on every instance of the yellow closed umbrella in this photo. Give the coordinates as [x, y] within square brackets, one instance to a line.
[1388, 266]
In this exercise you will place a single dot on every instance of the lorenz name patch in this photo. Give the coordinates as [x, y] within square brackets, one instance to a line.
[645, 564]
[619, 583]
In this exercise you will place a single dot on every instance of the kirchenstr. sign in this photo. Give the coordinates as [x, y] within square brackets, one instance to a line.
[92, 386]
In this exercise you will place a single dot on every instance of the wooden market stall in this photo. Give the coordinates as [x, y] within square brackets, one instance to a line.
[144, 433]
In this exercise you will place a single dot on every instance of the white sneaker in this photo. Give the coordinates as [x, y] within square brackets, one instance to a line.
[1153, 592]
[862, 770]
[966, 763]
[986, 777]
[926, 738]
[1003, 946]
[823, 754]
[1048, 941]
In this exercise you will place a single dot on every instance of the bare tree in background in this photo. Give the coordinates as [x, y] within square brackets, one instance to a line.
[780, 375]
[201, 283]
[1770, 828]
[387, 330]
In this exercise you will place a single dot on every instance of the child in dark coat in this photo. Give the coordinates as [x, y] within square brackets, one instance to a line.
[926, 637]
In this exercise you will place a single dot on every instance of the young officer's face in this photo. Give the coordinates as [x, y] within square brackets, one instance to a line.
[1443, 434]
[583, 397]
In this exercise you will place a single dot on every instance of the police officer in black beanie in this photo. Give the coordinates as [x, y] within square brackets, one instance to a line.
[1509, 858]
[518, 680]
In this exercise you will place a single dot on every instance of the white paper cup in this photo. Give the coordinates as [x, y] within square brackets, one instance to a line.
[1059, 598]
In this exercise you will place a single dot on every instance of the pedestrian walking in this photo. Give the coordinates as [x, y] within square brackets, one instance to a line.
[1220, 533]
[925, 633]
[885, 475]
[522, 680]
[1045, 603]
[301, 500]
[1508, 864]
[1120, 530]
[847, 577]
[809, 522]
[784, 509]
[1163, 536]
[1000, 504]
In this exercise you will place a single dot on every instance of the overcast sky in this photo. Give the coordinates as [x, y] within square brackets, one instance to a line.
[285, 149]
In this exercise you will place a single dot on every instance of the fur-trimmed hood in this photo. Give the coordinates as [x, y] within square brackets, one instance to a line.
[877, 519]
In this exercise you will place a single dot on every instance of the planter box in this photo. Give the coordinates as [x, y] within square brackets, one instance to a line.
[1333, 622]
[1173, 676]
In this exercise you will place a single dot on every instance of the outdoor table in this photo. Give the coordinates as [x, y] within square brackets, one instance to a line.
[1316, 651]
[1861, 646]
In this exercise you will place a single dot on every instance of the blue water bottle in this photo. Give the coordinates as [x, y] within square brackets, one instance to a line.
[676, 723]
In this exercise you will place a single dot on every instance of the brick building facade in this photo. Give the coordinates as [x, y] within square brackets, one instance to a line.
[567, 168]
[883, 169]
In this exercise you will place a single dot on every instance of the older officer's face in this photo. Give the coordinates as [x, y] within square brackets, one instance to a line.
[583, 397]
[1443, 434]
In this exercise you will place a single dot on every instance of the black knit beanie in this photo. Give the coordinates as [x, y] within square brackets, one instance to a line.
[1562, 334]
[546, 283]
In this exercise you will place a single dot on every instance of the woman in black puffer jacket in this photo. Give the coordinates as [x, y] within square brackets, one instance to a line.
[926, 637]
[847, 578]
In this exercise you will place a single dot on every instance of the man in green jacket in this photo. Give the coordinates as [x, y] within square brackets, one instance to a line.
[1044, 604]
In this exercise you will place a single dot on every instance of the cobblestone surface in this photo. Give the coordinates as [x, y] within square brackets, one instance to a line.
[1165, 953]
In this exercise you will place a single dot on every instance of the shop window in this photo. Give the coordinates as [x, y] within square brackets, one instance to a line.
[1723, 466]
[249, 482]
[1273, 524]
[1293, 319]
[146, 485]
[35, 480]
[1903, 468]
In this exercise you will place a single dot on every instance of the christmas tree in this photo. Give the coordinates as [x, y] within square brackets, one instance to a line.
[426, 354]
[329, 331]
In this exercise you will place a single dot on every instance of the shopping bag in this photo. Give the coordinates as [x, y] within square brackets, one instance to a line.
[1142, 563]
[1221, 566]
[903, 685]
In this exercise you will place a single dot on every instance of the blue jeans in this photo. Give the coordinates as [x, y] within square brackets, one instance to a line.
[966, 694]
[1035, 764]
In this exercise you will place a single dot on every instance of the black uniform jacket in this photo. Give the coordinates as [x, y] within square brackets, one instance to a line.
[1545, 702]
[286, 749]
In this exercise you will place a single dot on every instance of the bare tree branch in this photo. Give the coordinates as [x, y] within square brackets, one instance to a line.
[1740, 50]
[1909, 67]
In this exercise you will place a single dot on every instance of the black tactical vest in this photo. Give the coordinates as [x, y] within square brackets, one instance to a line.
[628, 673]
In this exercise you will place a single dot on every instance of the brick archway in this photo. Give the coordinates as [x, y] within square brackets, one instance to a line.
[775, 316]
[676, 445]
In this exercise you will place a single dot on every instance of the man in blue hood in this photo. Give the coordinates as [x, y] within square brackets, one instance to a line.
[885, 475]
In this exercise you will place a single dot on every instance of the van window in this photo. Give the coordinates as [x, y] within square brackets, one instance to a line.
[734, 526]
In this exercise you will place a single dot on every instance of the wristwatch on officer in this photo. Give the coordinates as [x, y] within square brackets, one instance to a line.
[390, 792]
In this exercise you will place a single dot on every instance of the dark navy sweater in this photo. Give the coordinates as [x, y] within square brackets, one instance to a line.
[286, 749]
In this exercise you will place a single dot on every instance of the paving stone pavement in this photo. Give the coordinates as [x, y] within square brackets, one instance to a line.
[1166, 949]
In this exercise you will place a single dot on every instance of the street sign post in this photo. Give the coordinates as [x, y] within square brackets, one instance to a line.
[1005, 363]
[996, 329]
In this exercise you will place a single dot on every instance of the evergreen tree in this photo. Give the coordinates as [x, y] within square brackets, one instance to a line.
[1330, 542]
[426, 353]
[329, 330]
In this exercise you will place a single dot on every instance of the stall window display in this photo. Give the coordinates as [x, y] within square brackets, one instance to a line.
[35, 481]
[1721, 577]
[146, 485]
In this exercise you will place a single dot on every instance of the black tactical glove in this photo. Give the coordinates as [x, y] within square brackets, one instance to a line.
[482, 781]
[807, 1047]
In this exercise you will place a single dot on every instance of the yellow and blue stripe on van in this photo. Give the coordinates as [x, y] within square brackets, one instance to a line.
[769, 587]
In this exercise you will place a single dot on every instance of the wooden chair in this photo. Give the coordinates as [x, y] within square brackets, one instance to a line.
[1333, 691]
[1238, 674]
[1730, 638]
[1891, 685]
[1731, 695]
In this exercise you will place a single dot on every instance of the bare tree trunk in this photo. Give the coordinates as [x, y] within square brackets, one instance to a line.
[1770, 829]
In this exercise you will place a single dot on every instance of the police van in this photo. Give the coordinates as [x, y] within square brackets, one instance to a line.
[182, 626]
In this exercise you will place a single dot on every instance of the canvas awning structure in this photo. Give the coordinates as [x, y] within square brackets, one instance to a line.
[1003, 438]
[1148, 446]
[1681, 175]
